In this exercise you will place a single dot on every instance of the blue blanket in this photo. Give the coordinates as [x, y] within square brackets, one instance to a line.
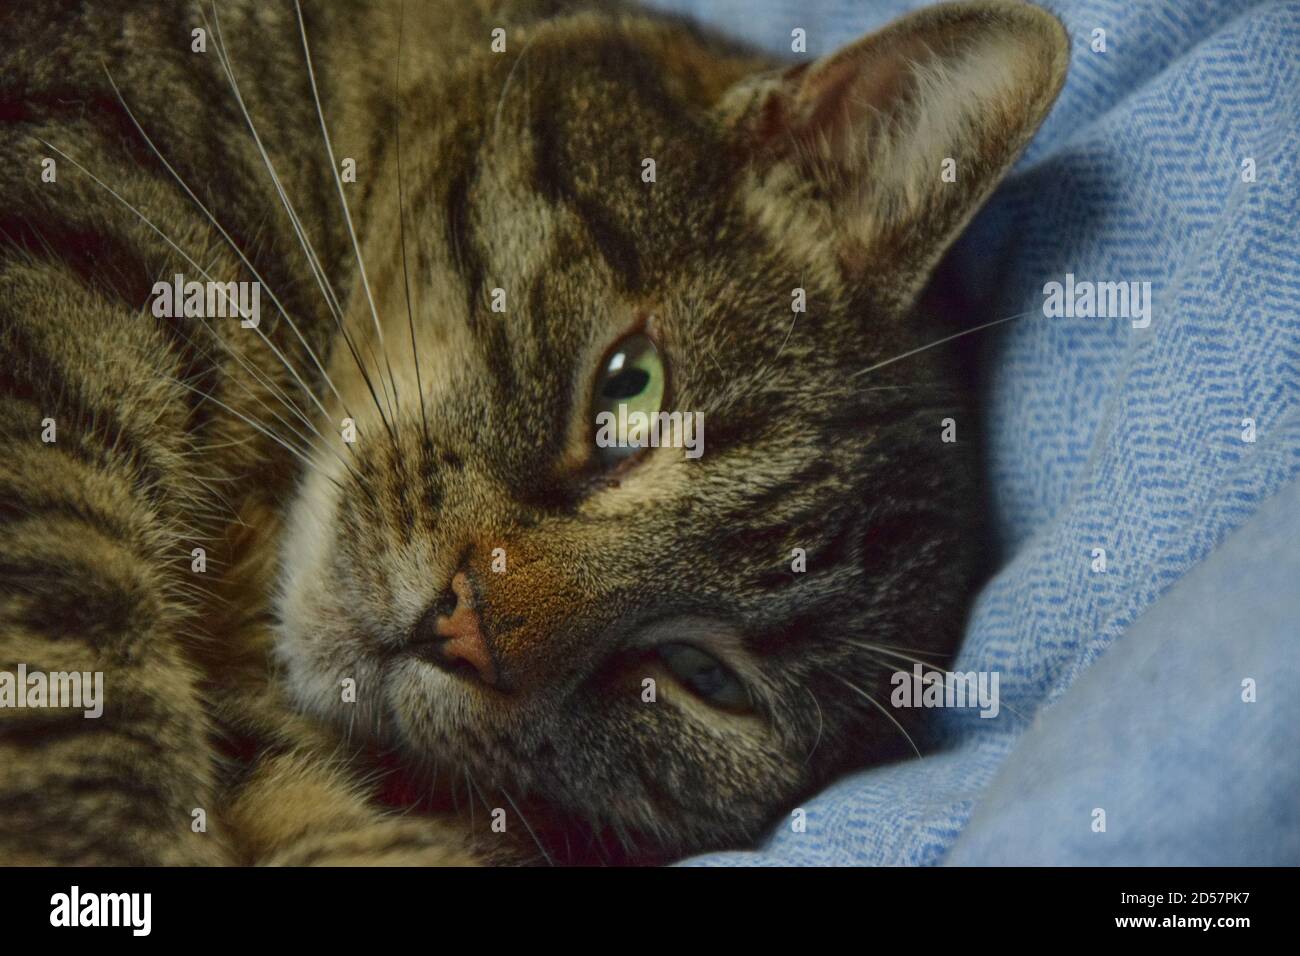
[1164, 691]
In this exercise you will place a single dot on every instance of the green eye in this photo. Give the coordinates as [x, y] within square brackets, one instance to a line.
[631, 382]
[706, 676]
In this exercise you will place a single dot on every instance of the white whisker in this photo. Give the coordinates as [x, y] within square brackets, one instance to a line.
[240, 253]
[879, 706]
[313, 260]
[948, 338]
[884, 649]
[343, 201]
[167, 239]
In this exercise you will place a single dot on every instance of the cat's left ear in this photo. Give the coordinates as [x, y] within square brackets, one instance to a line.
[875, 157]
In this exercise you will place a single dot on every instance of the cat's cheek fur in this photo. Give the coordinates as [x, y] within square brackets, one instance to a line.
[303, 595]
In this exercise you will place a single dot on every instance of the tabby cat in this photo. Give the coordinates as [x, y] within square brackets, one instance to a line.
[362, 584]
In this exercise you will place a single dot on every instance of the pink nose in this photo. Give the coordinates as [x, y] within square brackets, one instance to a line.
[458, 637]
[463, 631]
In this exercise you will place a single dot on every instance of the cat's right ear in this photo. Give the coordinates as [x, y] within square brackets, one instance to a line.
[871, 160]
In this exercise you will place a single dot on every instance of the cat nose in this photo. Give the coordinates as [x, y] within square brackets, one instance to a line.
[450, 635]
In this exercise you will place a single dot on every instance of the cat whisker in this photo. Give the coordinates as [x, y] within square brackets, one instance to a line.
[257, 377]
[220, 445]
[455, 800]
[167, 239]
[505, 87]
[524, 819]
[240, 253]
[313, 261]
[786, 340]
[401, 217]
[343, 201]
[890, 388]
[882, 649]
[350, 668]
[283, 443]
[766, 370]
[222, 499]
[938, 342]
[309, 251]
[469, 796]
[307, 440]
[881, 707]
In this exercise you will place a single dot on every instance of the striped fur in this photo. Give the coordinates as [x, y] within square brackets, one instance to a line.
[518, 171]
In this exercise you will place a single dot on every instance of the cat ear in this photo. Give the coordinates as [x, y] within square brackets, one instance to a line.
[872, 159]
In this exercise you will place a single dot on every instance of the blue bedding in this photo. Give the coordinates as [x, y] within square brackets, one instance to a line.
[1166, 690]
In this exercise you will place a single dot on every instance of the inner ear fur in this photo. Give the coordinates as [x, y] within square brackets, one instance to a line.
[845, 156]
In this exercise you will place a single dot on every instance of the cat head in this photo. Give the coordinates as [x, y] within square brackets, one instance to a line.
[665, 646]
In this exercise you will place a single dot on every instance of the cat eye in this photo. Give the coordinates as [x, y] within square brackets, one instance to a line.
[632, 380]
[706, 676]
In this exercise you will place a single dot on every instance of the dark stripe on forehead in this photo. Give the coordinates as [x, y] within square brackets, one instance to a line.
[461, 239]
[488, 328]
[615, 244]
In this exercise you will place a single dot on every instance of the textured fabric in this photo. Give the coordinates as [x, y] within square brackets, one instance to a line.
[1160, 734]
[1101, 435]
